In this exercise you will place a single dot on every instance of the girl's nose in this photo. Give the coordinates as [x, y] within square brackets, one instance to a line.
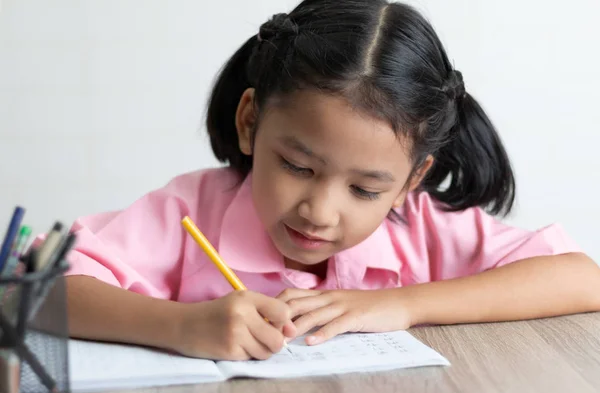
[320, 210]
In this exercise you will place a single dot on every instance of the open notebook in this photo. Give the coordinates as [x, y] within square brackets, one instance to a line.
[99, 366]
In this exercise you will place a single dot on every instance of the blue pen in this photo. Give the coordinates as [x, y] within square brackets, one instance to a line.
[11, 233]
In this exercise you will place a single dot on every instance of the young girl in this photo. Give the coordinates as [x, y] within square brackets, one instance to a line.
[360, 195]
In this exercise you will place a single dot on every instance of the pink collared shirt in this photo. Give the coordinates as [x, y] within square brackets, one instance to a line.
[144, 248]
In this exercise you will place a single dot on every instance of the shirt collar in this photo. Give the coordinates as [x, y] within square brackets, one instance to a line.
[244, 242]
[376, 252]
[246, 246]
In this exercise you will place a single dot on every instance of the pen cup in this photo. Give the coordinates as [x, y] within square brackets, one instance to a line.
[42, 346]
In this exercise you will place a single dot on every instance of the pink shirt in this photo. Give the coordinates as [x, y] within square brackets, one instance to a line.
[144, 248]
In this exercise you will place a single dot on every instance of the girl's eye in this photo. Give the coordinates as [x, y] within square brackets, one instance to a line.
[365, 194]
[294, 168]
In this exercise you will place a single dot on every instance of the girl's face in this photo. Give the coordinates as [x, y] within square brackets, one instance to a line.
[324, 175]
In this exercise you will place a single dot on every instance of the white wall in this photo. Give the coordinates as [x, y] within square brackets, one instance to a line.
[102, 100]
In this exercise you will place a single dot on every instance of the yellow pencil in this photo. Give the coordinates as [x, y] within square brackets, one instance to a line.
[214, 256]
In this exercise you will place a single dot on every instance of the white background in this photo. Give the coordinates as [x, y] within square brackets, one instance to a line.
[104, 100]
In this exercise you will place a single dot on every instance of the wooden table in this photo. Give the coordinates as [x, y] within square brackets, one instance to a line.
[548, 355]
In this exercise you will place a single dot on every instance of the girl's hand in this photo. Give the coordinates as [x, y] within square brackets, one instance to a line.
[341, 311]
[234, 327]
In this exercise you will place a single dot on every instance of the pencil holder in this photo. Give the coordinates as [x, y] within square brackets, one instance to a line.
[42, 341]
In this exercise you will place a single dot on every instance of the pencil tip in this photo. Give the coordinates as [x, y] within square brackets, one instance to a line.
[288, 348]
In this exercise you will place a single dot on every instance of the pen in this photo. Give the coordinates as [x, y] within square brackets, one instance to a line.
[49, 246]
[11, 233]
[214, 256]
[63, 250]
[25, 297]
[35, 261]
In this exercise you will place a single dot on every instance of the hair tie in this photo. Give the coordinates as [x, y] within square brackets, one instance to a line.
[454, 86]
[279, 25]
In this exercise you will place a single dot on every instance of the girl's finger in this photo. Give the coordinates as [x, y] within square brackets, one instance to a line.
[304, 305]
[266, 334]
[289, 331]
[295, 293]
[254, 345]
[318, 317]
[343, 324]
[274, 310]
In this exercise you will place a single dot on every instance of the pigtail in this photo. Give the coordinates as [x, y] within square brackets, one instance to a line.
[222, 107]
[477, 162]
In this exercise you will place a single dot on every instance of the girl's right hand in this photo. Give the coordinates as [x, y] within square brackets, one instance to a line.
[234, 327]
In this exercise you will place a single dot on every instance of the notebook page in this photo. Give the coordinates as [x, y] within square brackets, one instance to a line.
[99, 366]
[346, 353]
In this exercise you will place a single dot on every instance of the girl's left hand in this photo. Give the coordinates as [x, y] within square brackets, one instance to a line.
[340, 311]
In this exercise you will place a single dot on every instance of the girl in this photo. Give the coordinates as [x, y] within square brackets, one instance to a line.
[360, 195]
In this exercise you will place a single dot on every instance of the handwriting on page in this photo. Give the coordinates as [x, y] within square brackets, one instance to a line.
[340, 347]
[344, 353]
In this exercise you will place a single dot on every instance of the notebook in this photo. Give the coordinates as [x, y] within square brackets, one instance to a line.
[99, 366]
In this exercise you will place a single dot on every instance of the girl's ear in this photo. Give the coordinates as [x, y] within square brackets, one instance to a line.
[415, 180]
[245, 120]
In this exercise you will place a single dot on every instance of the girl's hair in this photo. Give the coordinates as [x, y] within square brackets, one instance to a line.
[385, 59]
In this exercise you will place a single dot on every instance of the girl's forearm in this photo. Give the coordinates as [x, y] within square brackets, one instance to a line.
[532, 288]
[99, 311]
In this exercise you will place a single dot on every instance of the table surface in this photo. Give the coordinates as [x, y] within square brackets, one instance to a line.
[559, 354]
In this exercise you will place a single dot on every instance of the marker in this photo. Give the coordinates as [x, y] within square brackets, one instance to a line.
[214, 256]
[17, 251]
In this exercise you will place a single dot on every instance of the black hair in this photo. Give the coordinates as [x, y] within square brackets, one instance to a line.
[386, 59]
